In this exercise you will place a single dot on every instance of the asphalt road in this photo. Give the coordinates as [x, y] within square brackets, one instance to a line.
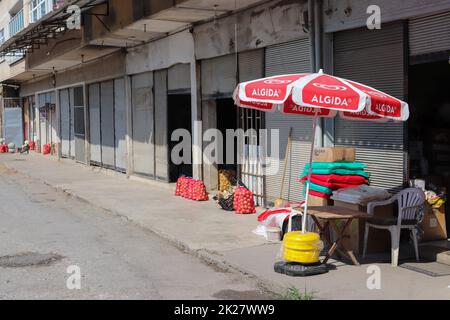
[115, 259]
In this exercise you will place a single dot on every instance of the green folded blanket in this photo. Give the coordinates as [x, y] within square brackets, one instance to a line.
[343, 172]
[318, 188]
[337, 165]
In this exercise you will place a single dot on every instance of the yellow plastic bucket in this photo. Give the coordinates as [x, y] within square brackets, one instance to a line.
[302, 247]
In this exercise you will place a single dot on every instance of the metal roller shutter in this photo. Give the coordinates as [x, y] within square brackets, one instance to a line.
[71, 124]
[429, 34]
[218, 76]
[289, 57]
[107, 123]
[251, 65]
[285, 58]
[120, 124]
[53, 125]
[51, 99]
[179, 78]
[94, 123]
[143, 124]
[79, 123]
[12, 124]
[375, 58]
[64, 104]
[161, 139]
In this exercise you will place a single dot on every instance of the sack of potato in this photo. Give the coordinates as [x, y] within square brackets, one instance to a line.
[243, 201]
[198, 191]
[178, 185]
[225, 177]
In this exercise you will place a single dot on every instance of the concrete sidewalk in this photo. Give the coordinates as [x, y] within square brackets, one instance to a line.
[219, 237]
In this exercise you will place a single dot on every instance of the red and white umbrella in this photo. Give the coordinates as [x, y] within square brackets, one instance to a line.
[293, 92]
[319, 95]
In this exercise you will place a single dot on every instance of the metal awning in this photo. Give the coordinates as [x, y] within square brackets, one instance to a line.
[51, 25]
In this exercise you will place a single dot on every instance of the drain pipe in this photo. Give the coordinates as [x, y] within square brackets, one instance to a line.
[318, 59]
[311, 34]
[318, 34]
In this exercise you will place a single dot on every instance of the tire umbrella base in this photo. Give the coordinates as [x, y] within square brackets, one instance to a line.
[295, 269]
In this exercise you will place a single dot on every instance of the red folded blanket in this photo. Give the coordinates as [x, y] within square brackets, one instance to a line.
[331, 185]
[319, 194]
[263, 216]
[336, 178]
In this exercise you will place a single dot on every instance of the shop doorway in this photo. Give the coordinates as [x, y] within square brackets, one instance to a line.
[251, 170]
[227, 118]
[179, 117]
[47, 120]
[72, 123]
[429, 124]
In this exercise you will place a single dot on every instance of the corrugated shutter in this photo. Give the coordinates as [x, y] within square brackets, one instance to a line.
[51, 120]
[53, 125]
[285, 58]
[161, 147]
[120, 124]
[64, 104]
[79, 123]
[179, 78]
[94, 123]
[218, 76]
[107, 123]
[251, 65]
[12, 122]
[289, 57]
[375, 58]
[72, 125]
[143, 124]
[429, 34]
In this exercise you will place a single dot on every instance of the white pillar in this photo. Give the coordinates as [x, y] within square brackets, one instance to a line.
[197, 131]
[58, 123]
[129, 134]
[38, 123]
[87, 126]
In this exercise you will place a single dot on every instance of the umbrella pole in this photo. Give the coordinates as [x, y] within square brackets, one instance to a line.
[313, 141]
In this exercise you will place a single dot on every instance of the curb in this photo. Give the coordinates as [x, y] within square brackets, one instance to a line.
[211, 258]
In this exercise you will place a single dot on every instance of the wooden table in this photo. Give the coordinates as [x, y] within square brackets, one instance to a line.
[329, 215]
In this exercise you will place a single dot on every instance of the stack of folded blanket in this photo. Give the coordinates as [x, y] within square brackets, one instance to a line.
[329, 176]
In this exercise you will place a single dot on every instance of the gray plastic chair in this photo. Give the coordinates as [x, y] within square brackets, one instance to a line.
[410, 208]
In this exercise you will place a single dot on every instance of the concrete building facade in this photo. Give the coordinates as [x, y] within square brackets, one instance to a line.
[111, 93]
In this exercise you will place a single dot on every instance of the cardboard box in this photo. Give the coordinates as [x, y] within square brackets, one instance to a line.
[434, 224]
[379, 240]
[334, 154]
[314, 201]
